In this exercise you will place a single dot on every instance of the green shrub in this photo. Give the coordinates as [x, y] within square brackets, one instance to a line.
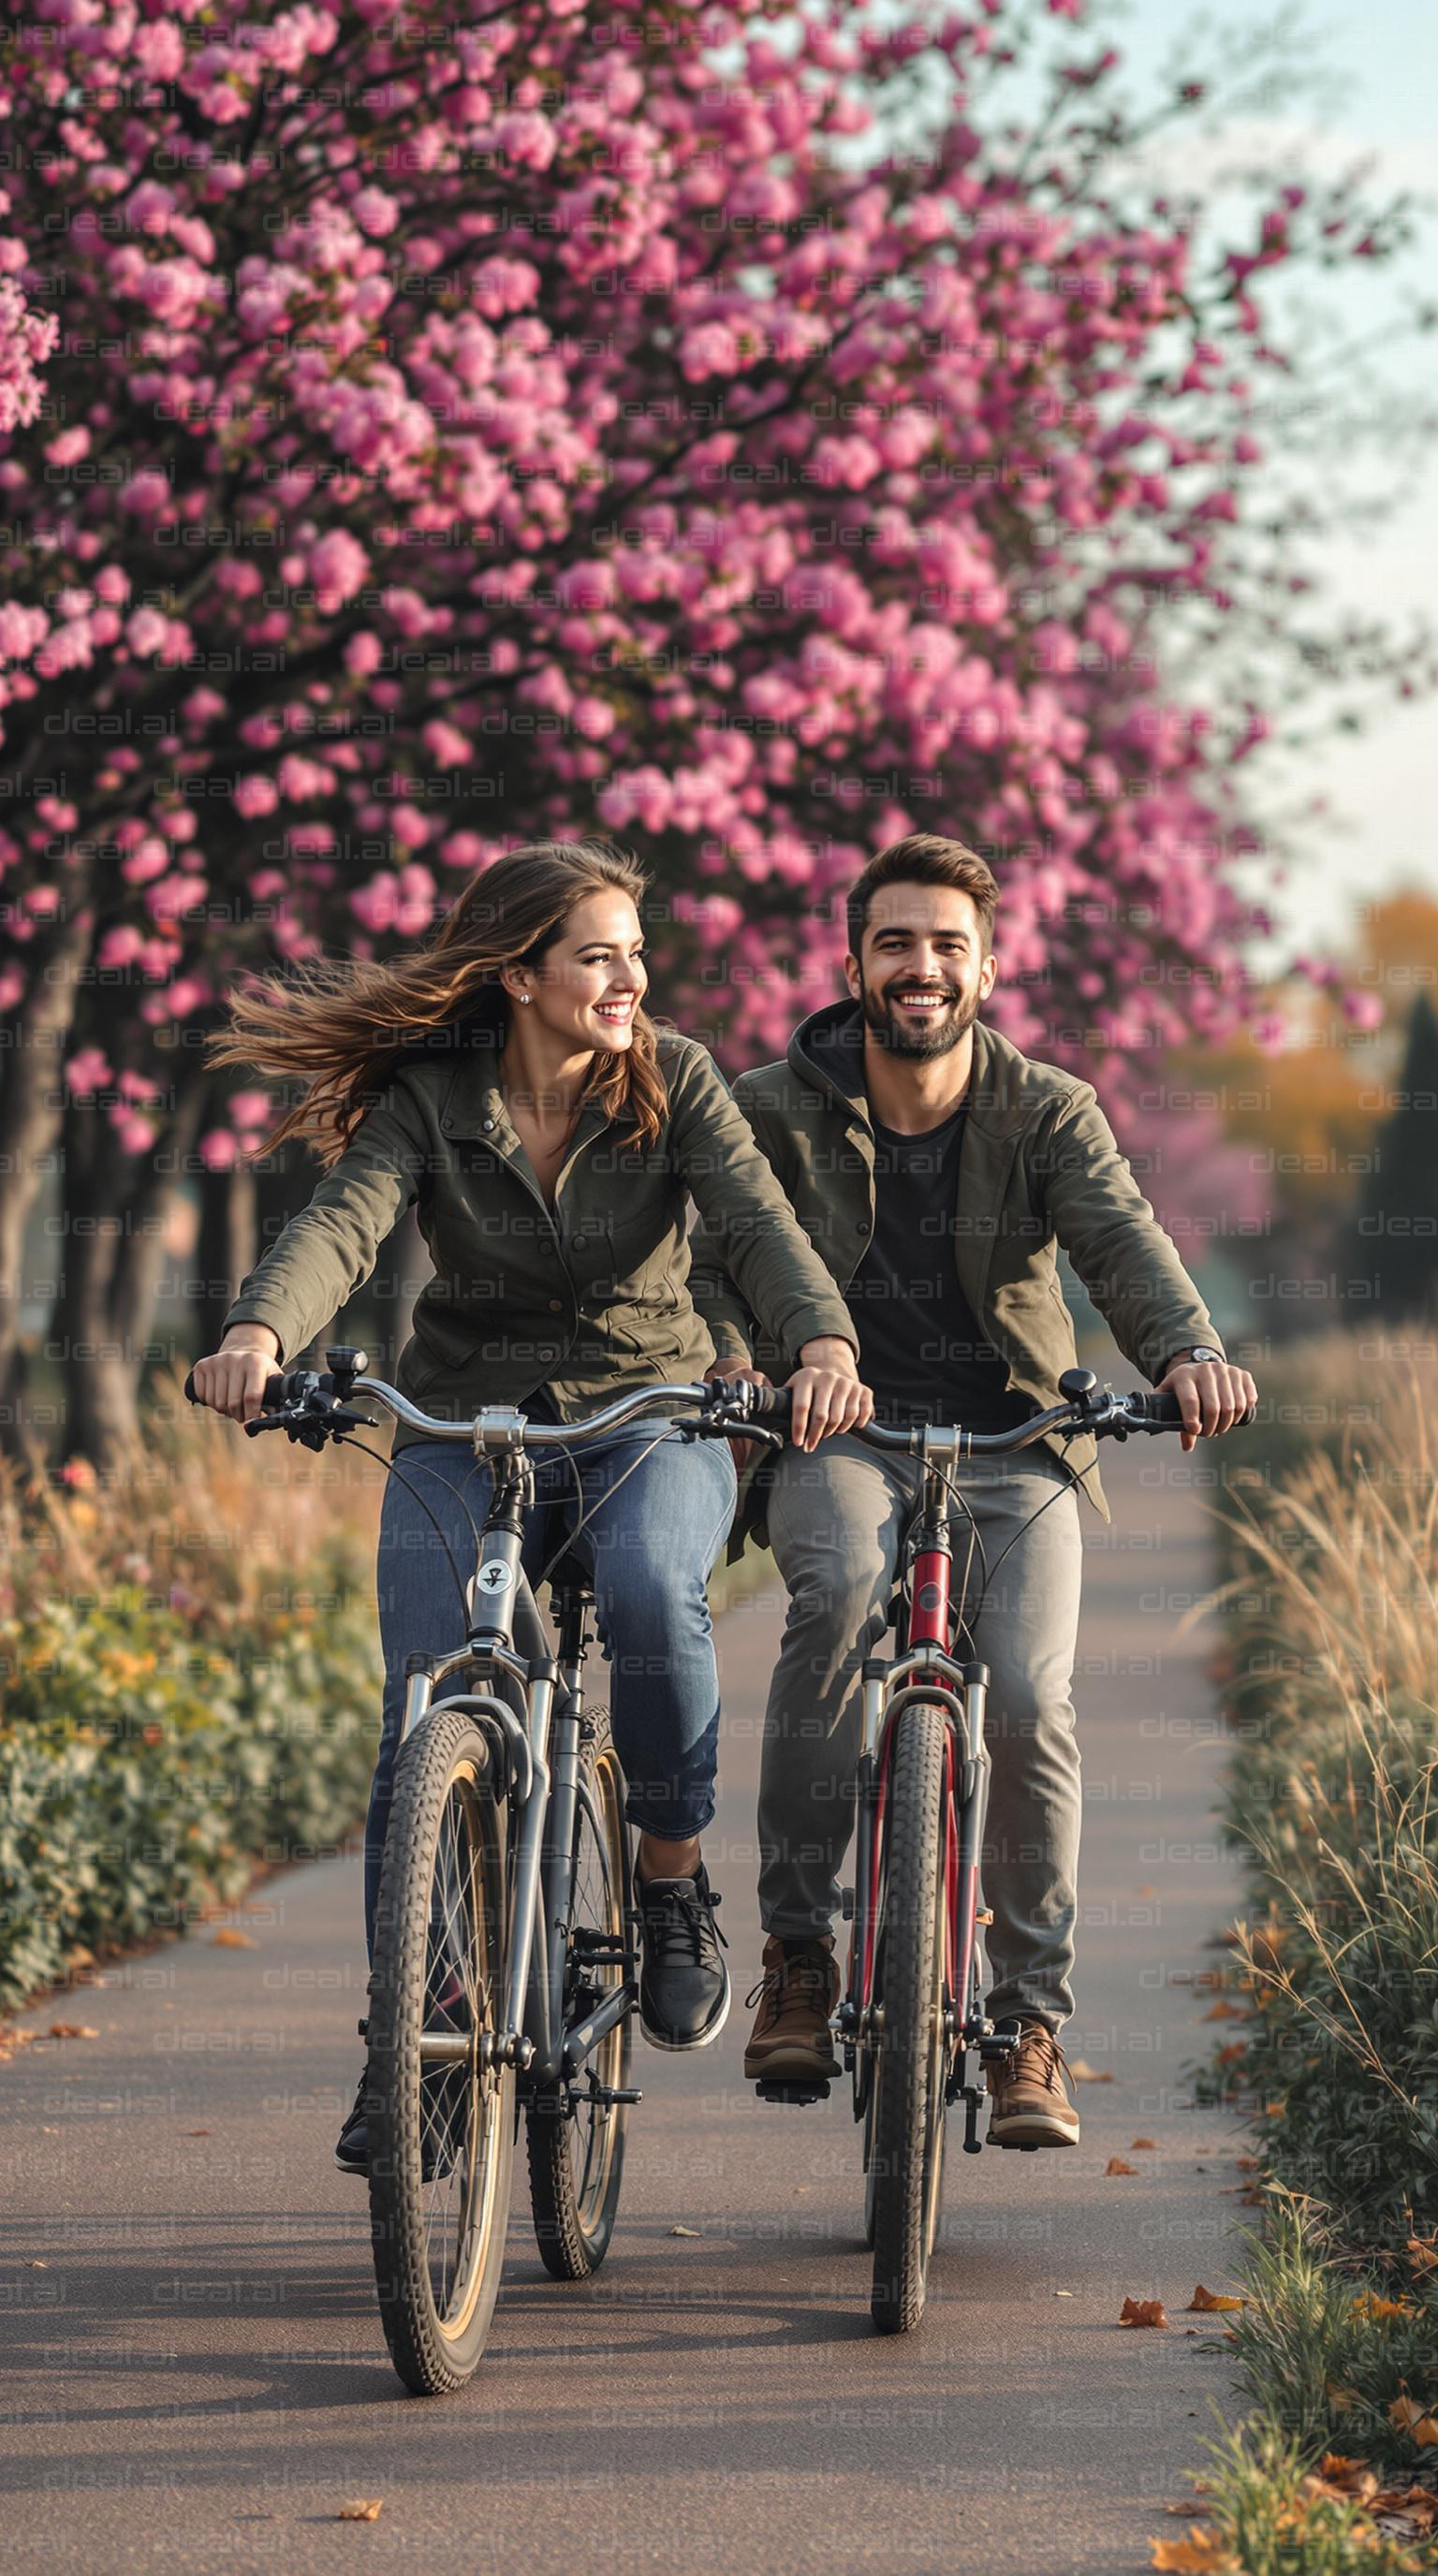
[191, 1686]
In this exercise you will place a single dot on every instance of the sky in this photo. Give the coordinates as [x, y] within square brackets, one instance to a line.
[1370, 73]
[1381, 786]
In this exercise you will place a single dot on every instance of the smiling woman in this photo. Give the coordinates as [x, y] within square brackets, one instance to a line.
[506, 1079]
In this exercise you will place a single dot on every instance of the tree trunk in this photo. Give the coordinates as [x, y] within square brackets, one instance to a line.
[115, 1245]
[31, 1107]
[226, 1250]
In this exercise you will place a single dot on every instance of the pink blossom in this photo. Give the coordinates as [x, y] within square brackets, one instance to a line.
[88, 1070]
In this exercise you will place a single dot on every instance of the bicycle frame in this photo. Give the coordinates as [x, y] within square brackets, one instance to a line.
[924, 1669]
[539, 1757]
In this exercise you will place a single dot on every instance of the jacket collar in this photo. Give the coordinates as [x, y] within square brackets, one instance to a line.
[472, 1103]
[828, 1048]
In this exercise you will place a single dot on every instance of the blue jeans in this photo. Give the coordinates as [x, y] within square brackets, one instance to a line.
[649, 1549]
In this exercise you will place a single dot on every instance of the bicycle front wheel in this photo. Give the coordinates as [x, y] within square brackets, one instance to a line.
[576, 2148]
[905, 2135]
[441, 2116]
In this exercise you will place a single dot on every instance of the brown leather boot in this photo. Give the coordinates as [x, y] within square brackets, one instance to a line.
[1030, 2106]
[796, 1995]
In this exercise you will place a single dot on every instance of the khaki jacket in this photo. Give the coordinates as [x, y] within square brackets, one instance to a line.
[1040, 1168]
[587, 1300]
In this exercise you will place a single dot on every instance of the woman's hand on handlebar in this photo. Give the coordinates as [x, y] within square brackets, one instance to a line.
[828, 1394]
[1212, 1395]
[737, 1373]
[233, 1380]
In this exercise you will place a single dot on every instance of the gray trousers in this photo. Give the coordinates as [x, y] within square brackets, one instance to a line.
[836, 1520]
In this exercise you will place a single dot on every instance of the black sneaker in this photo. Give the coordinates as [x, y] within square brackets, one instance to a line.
[352, 2145]
[437, 2155]
[683, 1982]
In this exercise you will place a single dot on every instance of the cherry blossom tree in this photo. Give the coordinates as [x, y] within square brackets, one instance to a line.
[424, 431]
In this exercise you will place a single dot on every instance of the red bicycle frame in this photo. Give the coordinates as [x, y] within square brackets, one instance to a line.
[926, 1669]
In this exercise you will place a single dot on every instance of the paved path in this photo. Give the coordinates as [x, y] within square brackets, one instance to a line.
[195, 2378]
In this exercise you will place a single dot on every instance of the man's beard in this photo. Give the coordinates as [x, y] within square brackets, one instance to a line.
[924, 1041]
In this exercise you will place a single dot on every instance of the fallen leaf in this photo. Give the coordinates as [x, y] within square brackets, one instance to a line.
[1210, 2303]
[1423, 2253]
[229, 1937]
[1340, 2477]
[197, 2133]
[72, 2030]
[1275, 2110]
[1235, 2051]
[1136, 2143]
[1083, 2073]
[36, 2265]
[683, 2231]
[1201, 2553]
[1369, 2304]
[1142, 2312]
[1063, 2294]
[1414, 2504]
[1245, 2164]
[1116, 2165]
[1223, 2010]
[1190, 2506]
[364, 2509]
[1145, 1891]
[1340, 2399]
[1412, 2418]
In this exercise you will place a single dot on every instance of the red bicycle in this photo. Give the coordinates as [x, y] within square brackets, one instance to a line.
[912, 2012]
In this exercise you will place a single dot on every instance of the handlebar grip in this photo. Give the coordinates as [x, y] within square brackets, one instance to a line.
[772, 1404]
[190, 1395]
[1159, 1411]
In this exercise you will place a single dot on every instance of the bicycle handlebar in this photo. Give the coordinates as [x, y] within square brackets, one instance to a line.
[314, 1408]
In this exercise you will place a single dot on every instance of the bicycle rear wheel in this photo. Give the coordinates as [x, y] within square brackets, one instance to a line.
[576, 2155]
[441, 2115]
[905, 2133]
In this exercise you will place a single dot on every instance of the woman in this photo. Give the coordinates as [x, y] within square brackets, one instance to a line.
[506, 1078]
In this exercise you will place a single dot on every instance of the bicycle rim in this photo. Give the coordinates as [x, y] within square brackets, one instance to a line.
[442, 2117]
[906, 2129]
[576, 2161]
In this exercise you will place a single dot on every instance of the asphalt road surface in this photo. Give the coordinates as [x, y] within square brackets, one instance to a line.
[193, 2372]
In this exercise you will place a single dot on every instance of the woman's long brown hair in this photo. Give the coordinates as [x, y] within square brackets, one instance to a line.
[341, 1024]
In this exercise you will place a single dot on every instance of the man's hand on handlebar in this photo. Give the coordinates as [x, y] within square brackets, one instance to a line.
[829, 1394]
[1212, 1395]
[233, 1380]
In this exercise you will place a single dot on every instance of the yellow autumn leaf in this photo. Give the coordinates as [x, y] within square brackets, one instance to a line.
[1199, 2553]
[364, 2509]
[1412, 2418]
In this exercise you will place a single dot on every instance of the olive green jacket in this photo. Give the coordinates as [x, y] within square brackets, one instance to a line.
[1040, 1168]
[586, 1300]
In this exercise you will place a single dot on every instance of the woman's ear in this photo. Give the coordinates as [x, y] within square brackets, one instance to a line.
[514, 981]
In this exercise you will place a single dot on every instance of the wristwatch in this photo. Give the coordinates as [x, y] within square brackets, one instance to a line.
[1200, 1351]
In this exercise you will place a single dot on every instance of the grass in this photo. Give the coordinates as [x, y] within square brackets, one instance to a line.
[1331, 1567]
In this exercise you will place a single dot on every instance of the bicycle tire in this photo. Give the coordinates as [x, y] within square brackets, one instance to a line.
[576, 2159]
[441, 2136]
[906, 2160]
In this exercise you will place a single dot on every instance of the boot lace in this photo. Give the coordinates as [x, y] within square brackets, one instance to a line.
[805, 1975]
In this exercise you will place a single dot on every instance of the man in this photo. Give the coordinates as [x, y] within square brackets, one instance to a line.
[935, 1167]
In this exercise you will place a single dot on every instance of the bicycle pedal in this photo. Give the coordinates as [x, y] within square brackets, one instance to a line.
[797, 2090]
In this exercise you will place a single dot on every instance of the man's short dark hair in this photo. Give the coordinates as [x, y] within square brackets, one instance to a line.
[925, 858]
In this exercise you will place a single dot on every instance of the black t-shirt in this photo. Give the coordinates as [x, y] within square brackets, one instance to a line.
[920, 1346]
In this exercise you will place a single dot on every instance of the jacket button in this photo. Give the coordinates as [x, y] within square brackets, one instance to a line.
[556, 1305]
[576, 1243]
[864, 1225]
[488, 1125]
